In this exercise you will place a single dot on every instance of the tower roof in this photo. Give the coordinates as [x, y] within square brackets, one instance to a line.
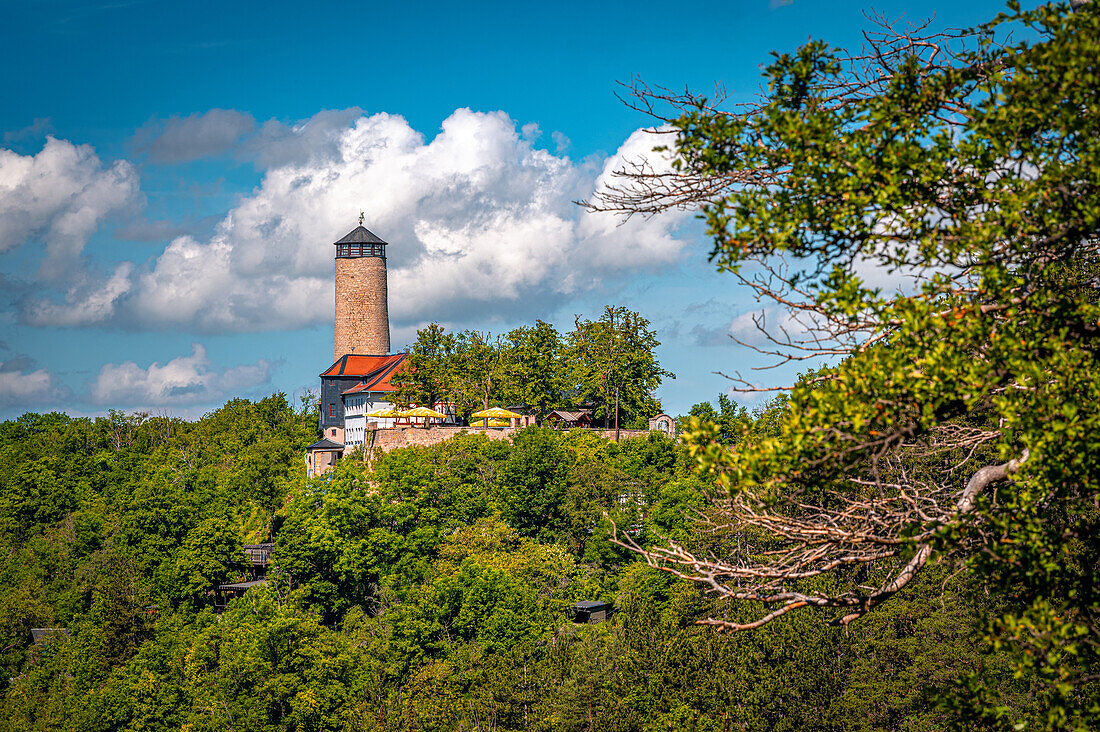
[360, 235]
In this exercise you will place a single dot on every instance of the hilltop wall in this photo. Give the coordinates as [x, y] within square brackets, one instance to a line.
[391, 439]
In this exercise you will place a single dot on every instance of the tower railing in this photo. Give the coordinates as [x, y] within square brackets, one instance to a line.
[361, 250]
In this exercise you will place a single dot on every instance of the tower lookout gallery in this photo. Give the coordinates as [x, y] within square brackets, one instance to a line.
[362, 324]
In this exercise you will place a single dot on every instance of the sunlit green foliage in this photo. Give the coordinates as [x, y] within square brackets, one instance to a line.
[597, 365]
[431, 589]
[978, 169]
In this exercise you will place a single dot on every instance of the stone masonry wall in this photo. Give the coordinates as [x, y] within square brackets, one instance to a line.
[362, 323]
[391, 439]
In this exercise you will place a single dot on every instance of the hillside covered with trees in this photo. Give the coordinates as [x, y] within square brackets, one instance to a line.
[431, 590]
[904, 539]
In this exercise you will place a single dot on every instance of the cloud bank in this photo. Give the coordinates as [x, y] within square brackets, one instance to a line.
[183, 381]
[479, 221]
[60, 196]
[22, 385]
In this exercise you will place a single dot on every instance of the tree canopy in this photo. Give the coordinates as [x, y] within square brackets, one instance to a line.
[430, 589]
[921, 216]
[613, 365]
[598, 365]
[928, 487]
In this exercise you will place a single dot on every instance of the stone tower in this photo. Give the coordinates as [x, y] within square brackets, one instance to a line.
[362, 310]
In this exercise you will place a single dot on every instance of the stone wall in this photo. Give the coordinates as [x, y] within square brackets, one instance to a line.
[320, 462]
[623, 434]
[391, 439]
[362, 323]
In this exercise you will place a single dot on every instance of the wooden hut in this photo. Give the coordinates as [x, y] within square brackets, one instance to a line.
[565, 420]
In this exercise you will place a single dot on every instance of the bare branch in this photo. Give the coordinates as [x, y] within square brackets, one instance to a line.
[813, 540]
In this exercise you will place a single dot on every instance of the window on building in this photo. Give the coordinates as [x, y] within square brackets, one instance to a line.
[332, 410]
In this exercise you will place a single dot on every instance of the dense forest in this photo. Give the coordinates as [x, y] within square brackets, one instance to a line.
[905, 539]
[432, 589]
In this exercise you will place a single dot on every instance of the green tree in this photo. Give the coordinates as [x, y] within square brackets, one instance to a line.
[425, 377]
[958, 418]
[613, 365]
[332, 547]
[478, 371]
[535, 368]
[206, 558]
[533, 483]
[729, 417]
[36, 495]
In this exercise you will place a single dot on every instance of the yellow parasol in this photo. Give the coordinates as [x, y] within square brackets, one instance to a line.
[499, 423]
[422, 412]
[496, 413]
[380, 413]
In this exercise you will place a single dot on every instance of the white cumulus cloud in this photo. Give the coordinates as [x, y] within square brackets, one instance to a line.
[60, 195]
[22, 385]
[479, 221]
[182, 381]
[87, 301]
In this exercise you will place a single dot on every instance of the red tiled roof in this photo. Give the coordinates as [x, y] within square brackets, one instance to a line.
[374, 371]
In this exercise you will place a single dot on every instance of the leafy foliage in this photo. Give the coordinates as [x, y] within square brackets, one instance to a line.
[949, 415]
[614, 366]
[432, 588]
[598, 365]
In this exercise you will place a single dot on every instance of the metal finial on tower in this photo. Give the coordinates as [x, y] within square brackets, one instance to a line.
[361, 218]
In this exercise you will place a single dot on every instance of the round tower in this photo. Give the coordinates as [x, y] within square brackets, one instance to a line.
[362, 310]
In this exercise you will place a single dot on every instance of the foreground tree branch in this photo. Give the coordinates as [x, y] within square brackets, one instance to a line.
[813, 546]
[920, 223]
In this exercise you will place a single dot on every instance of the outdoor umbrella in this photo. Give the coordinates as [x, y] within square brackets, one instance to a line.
[496, 413]
[422, 412]
[378, 413]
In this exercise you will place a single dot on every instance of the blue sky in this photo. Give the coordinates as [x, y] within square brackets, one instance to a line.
[172, 176]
